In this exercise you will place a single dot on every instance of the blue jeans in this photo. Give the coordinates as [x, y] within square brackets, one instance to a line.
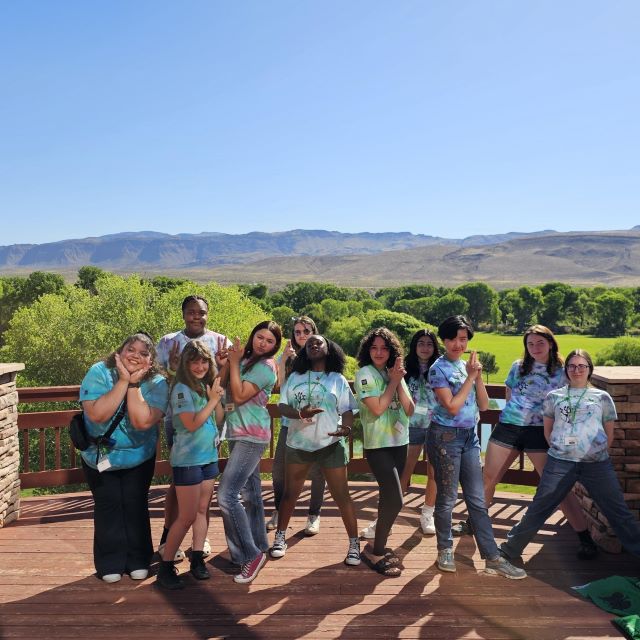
[243, 521]
[455, 455]
[558, 478]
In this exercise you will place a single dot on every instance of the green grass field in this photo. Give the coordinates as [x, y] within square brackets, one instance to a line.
[506, 349]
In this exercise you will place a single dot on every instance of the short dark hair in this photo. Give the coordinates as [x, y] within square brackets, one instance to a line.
[390, 339]
[449, 328]
[583, 354]
[194, 298]
[334, 362]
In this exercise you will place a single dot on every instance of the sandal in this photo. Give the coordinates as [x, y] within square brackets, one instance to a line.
[391, 556]
[384, 567]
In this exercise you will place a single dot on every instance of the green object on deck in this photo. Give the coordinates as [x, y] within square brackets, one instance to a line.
[617, 594]
[629, 625]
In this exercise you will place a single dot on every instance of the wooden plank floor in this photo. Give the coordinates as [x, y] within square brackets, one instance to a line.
[48, 590]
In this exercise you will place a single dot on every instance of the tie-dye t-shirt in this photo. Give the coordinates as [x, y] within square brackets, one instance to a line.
[391, 429]
[191, 448]
[425, 401]
[132, 446]
[328, 391]
[448, 374]
[250, 420]
[528, 392]
[579, 415]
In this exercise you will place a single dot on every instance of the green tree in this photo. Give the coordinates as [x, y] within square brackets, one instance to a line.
[624, 352]
[87, 277]
[612, 313]
[489, 364]
[480, 298]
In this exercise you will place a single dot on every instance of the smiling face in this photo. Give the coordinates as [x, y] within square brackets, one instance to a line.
[578, 371]
[379, 352]
[316, 348]
[455, 347]
[424, 349]
[135, 355]
[199, 368]
[538, 347]
[195, 316]
[263, 342]
[301, 333]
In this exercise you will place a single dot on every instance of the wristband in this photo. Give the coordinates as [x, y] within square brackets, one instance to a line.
[170, 371]
[134, 385]
[300, 415]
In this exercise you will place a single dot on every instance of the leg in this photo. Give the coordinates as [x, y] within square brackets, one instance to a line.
[558, 477]
[278, 469]
[295, 475]
[170, 506]
[412, 457]
[246, 537]
[317, 490]
[431, 488]
[201, 523]
[339, 489]
[497, 460]
[188, 499]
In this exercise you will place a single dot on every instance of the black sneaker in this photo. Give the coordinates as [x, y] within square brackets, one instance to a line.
[587, 550]
[198, 569]
[168, 576]
[463, 528]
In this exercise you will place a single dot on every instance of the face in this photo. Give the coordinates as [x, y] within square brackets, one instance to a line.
[379, 352]
[135, 355]
[538, 347]
[424, 349]
[316, 348]
[578, 370]
[458, 345]
[195, 317]
[301, 333]
[263, 342]
[199, 368]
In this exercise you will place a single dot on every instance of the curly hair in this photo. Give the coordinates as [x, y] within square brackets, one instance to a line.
[333, 363]
[193, 351]
[270, 325]
[555, 359]
[145, 338]
[390, 339]
[411, 362]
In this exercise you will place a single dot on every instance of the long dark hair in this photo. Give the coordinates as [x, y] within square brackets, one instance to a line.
[270, 325]
[145, 338]
[390, 339]
[192, 351]
[412, 363]
[333, 363]
[555, 359]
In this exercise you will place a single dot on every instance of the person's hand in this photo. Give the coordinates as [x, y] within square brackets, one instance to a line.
[289, 351]
[308, 411]
[174, 357]
[397, 372]
[236, 351]
[222, 353]
[215, 391]
[123, 372]
[473, 366]
[340, 431]
[139, 374]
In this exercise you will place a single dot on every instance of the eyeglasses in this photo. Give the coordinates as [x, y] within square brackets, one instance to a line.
[577, 367]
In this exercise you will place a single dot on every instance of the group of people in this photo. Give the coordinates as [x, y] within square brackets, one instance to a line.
[203, 384]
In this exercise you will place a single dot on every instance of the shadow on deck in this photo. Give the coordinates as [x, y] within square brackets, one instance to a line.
[48, 590]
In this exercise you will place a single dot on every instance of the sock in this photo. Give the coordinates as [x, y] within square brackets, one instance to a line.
[354, 541]
[165, 533]
[427, 509]
[585, 537]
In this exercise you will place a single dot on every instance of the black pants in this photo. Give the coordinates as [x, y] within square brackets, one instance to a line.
[122, 530]
[387, 465]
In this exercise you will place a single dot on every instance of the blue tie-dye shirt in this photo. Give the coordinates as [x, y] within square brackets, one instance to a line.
[132, 446]
[448, 374]
[191, 448]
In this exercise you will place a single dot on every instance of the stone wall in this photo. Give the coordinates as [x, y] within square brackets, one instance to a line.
[9, 444]
[623, 385]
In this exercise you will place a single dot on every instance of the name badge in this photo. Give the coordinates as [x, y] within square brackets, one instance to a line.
[399, 427]
[229, 407]
[571, 441]
[421, 410]
[104, 464]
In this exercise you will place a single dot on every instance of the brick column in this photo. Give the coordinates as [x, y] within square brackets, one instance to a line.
[623, 385]
[9, 443]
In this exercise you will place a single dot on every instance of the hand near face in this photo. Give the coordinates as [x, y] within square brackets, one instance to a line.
[289, 351]
[139, 374]
[397, 372]
[473, 366]
[123, 373]
[215, 391]
[236, 351]
[174, 357]
[222, 353]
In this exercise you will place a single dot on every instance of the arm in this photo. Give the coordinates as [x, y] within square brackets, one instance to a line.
[222, 361]
[548, 428]
[287, 354]
[453, 403]
[241, 390]
[608, 429]
[406, 400]
[379, 404]
[142, 416]
[482, 397]
[105, 407]
[347, 424]
[507, 394]
[194, 420]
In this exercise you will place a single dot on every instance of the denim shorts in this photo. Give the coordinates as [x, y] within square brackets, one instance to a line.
[186, 476]
[418, 436]
[334, 456]
[512, 436]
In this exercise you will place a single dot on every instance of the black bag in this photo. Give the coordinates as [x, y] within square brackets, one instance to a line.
[80, 436]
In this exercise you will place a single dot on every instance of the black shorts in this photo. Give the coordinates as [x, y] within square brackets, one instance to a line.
[511, 436]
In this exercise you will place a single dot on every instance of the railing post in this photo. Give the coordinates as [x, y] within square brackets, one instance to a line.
[9, 444]
[623, 385]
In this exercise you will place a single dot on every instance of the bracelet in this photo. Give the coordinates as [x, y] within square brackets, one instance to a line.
[134, 385]
[170, 371]
[300, 415]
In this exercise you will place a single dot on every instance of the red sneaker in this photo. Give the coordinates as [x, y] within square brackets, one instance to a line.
[250, 570]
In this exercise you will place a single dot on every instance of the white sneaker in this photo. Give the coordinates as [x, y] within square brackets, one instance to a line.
[426, 521]
[206, 548]
[369, 532]
[279, 545]
[139, 574]
[313, 526]
[179, 557]
[353, 554]
[112, 577]
[272, 522]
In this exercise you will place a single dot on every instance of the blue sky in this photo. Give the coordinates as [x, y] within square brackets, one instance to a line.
[437, 117]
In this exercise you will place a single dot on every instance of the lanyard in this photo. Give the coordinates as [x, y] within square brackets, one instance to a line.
[573, 410]
[311, 389]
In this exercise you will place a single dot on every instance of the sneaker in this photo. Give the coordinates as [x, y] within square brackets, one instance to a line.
[446, 561]
[272, 522]
[313, 526]
[502, 567]
[179, 557]
[139, 574]
[206, 548]
[369, 532]
[279, 545]
[463, 528]
[168, 576]
[198, 569]
[587, 551]
[249, 570]
[353, 554]
[426, 522]
[112, 577]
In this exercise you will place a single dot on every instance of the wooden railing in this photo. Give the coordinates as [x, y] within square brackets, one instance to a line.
[52, 473]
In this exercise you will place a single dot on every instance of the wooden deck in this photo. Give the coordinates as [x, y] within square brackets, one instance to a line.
[48, 590]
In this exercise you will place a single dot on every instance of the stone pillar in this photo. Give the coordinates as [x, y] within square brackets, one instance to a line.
[9, 444]
[623, 385]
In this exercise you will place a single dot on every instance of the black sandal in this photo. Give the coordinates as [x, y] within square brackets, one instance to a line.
[384, 567]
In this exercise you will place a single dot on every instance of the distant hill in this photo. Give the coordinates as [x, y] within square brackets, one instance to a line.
[504, 260]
